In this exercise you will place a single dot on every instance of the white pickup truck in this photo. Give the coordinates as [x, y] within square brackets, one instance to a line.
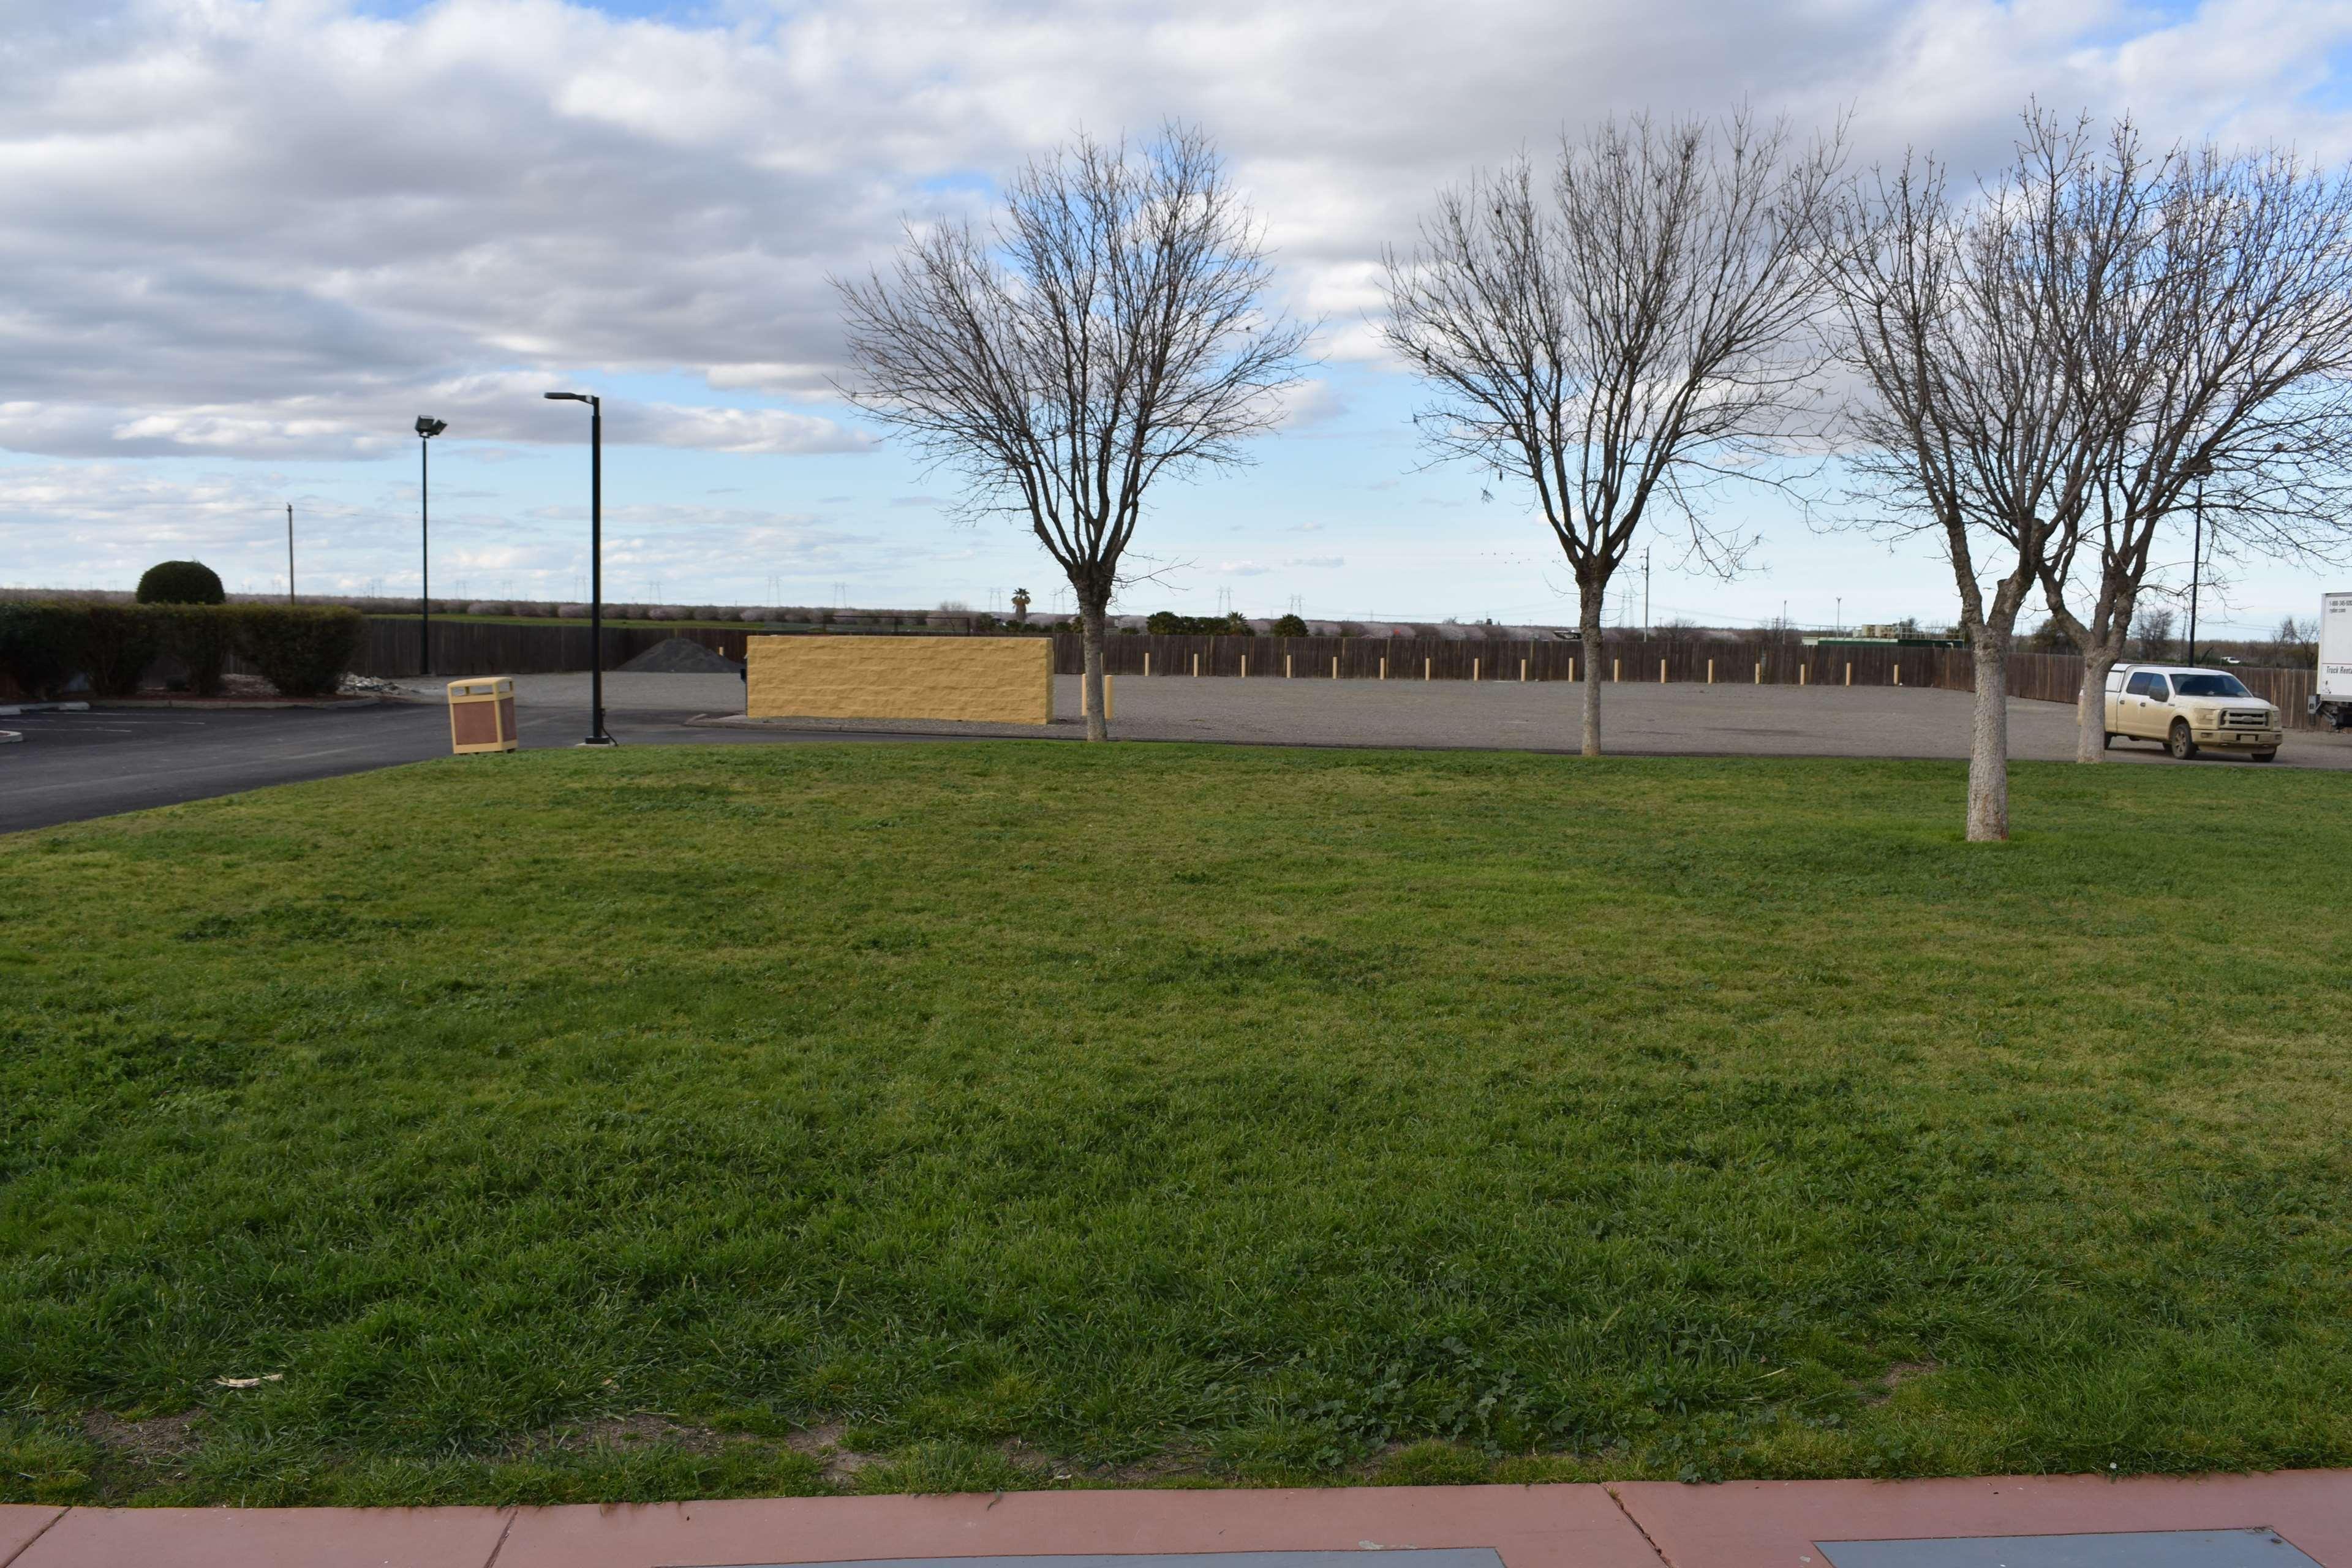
[2331, 699]
[2190, 710]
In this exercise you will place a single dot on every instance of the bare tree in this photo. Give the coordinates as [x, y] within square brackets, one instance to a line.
[1622, 336]
[1107, 331]
[2228, 342]
[1977, 425]
[2152, 628]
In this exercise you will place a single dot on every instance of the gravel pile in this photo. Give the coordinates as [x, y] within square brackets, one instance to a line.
[679, 656]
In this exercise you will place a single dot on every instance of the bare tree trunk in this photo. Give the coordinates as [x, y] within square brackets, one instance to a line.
[1989, 743]
[1588, 625]
[2090, 704]
[1090, 635]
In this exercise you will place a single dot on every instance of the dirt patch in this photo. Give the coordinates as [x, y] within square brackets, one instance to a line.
[157, 1440]
[643, 1430]
[1882, 1388]
[824, 1443]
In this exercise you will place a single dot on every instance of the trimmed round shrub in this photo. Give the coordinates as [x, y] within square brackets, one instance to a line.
[1290, 627]
[181, 583]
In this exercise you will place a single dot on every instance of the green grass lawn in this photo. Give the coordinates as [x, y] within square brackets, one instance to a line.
[686, 1122]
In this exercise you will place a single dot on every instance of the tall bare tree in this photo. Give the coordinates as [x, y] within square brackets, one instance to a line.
[1622, 333]
[1977, 422]
[2229, 344]
[1106, 331]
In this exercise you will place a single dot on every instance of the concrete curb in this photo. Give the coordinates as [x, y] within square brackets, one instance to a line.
[233, 704]
[1636, 1525]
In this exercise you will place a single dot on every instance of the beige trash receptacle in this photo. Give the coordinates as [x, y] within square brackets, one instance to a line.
[481, 714]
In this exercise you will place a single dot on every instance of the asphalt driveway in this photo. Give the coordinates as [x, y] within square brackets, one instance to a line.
[71, 766]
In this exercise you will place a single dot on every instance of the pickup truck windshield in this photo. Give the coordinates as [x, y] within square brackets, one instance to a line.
[2208, 686]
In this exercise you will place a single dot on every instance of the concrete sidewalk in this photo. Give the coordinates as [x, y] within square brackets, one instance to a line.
[2283, 1519]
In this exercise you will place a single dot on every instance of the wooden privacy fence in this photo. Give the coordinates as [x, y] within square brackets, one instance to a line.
[498, 648]
[477, 647]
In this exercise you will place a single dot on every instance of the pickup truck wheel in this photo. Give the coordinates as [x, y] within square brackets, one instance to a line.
[2182, 745]
[2108, 741]
[2263, 756]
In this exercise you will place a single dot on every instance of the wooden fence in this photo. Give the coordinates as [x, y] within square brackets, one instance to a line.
[475, 647]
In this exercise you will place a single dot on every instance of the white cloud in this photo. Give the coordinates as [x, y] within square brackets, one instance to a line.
[1318, 562]
[265, 232]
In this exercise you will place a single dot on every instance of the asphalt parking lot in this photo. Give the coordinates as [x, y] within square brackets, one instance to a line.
[71, 766]
[77, 765]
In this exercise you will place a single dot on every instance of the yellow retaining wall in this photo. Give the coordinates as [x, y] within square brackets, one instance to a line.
[997, 681]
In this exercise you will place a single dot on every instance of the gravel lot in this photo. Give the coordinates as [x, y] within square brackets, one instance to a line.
[1689, 719]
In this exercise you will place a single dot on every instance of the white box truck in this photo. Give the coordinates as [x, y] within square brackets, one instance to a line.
[2331, 699]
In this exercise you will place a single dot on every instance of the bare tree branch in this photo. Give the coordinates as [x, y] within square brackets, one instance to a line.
[1623, 336]
[2230, 344]
[1971, 327]
[1105, 332]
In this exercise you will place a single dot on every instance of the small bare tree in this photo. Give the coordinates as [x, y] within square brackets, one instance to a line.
[1107, 331]
[1978, 424]
[1621, 336]
[2228, 346]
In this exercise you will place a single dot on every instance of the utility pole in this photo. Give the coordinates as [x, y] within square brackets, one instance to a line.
[290, 552]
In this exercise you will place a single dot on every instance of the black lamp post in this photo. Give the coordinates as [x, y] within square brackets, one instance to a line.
[427, 428]
[596, 733]
[2197, 470]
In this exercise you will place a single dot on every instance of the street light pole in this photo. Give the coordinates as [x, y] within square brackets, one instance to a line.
[2197, 470]
[290, 552]
[427, 428]
[597, 735]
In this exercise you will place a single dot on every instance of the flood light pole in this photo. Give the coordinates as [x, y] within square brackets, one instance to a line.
[596, 732]
[427, 428]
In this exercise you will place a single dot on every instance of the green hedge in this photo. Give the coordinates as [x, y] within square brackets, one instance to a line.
[302, 650]
[41, 645]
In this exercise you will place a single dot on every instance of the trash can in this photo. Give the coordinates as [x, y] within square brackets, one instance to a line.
[481, 714]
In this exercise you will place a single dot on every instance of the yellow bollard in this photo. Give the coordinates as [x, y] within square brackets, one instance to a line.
[1759, 673]
[1800, 673]
[1571, 670]
[1285, 667]
[1473, 670]
[1147, 661]
[1662, 673]
[1384, 667]
[1196, 667]
[1523, 672]
[1898, 675]
[1616, 669]
[1425, 670]
[1110, 702]
[1335, 667]
[1710, 672]
[1244, 667]
[1849, 675]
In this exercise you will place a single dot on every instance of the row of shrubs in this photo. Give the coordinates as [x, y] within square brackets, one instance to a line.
[302, 650]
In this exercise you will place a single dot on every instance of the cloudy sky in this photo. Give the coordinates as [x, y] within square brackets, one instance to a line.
[244, 243]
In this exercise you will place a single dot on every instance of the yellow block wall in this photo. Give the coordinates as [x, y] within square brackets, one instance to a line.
[998, 680]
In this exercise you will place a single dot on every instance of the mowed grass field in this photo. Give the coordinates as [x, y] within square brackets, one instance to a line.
[683, 1122]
